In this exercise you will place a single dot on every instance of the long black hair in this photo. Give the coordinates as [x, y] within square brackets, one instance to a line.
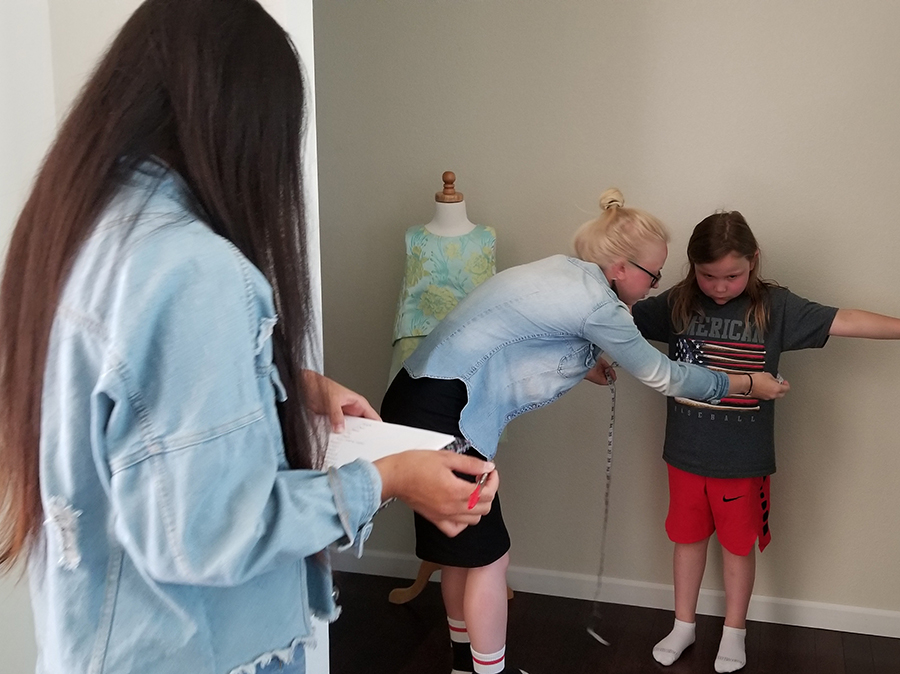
[214, 88]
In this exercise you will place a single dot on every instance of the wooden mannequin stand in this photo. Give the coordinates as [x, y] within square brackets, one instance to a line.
[401, 595]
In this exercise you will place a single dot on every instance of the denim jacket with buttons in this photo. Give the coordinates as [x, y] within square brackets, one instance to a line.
[526, 336]
[176, 539]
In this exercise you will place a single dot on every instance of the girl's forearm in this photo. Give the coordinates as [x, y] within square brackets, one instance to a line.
[859, 323]
[760, 385]
[740, 384]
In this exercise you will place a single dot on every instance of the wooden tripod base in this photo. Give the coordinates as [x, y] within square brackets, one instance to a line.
[401, 595]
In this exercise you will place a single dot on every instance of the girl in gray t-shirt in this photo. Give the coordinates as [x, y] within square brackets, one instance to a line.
[724, 316]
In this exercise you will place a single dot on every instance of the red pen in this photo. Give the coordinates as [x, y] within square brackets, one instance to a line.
[473, 499]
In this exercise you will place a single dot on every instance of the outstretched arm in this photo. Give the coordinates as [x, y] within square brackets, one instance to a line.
[761, 385]
[859, 323]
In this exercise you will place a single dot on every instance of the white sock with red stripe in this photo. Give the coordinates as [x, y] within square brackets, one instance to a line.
[493, 663]
[459, 640]
[489, 663]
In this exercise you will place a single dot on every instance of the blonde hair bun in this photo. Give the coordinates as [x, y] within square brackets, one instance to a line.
[618, 232]
[611, 197]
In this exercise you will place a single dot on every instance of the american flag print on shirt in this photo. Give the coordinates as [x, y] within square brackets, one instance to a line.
[727, 357]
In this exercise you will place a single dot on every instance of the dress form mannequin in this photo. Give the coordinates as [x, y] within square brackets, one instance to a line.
[450, 218]
[445, 260]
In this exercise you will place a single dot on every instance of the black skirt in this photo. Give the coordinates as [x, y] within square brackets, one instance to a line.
[435, 404]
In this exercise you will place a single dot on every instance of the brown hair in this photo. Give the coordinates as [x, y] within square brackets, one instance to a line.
[213, 87]
[618, 232]
[713, 238]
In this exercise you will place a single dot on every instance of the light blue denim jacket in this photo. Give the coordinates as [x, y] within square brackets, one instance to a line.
[176, 539]
[529, 334]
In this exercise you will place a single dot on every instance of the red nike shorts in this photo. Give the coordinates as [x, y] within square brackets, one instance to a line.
[737, 509]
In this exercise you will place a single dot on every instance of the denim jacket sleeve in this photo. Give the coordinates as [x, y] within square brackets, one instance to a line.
[612, 328]
[186, 429]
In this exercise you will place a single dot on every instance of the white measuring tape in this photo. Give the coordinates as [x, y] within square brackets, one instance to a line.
[596, 618]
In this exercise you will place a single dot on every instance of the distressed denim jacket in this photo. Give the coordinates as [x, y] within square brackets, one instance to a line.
[524, 337]
[176, 539]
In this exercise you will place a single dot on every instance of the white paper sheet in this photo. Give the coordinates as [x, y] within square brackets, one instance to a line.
[369, 439]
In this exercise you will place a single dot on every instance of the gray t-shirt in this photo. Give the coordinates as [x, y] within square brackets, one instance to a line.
[734, 438]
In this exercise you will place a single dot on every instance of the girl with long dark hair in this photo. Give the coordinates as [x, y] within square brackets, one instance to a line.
[157, 371]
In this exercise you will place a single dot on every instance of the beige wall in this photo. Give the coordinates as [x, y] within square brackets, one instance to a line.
[81, 31]
[27, 120]
[785, 111]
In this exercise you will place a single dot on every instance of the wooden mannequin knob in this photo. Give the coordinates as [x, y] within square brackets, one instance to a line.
[448, 195]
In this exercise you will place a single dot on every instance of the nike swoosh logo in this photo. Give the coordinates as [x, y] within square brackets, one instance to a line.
[729, 500]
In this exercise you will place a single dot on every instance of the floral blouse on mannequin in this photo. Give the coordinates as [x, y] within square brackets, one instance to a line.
[440, 271]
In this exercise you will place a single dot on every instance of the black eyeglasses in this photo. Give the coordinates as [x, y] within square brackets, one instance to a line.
[656, 278]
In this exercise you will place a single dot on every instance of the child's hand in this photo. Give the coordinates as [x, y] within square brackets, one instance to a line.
[602, 373]
[767, 387]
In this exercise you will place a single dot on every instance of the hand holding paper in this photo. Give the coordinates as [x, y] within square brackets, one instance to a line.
[326, 396]
[423, 479]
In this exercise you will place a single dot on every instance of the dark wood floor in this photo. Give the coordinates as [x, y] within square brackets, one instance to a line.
[547, 636]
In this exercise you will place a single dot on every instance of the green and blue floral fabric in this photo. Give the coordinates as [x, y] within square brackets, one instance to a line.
[440, 271]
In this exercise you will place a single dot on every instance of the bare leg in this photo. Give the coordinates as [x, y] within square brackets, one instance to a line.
[689, 563]
[453, 590]
[740, 573]
[485, 605]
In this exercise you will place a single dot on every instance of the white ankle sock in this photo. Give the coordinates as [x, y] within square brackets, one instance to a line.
[489, 663]
[731, 655]
[670, 649]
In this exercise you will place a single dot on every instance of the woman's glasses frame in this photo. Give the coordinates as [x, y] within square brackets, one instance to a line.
[655, 278]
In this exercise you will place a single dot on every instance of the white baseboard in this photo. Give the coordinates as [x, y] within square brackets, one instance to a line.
[651, 595]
